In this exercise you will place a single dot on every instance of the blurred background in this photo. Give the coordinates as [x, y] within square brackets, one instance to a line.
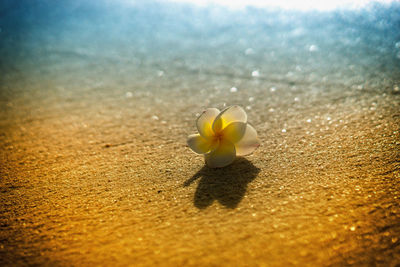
[351, 42]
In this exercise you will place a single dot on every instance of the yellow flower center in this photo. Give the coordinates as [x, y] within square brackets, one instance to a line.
[218, 136]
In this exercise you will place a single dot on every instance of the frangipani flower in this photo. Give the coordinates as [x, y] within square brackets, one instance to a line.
[223, 136]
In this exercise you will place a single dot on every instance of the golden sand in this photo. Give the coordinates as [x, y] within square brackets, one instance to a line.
[101, 175]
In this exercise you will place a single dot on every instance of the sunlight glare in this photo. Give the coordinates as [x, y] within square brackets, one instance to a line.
[287, 4]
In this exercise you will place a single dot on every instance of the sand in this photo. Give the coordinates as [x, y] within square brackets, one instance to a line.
[95, 169]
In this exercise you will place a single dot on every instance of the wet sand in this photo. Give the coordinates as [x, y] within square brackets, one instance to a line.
[95, 169]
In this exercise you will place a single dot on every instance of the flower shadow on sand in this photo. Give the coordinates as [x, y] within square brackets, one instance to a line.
[226, 185]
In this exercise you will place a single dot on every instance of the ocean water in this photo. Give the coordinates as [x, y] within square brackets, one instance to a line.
[97, 99]
[348, 46]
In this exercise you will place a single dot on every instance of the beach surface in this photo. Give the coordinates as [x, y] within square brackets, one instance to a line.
[97, 101]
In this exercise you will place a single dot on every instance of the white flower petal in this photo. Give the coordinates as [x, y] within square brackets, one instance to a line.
[234, 132]
[227, 116]
[248, 143]
[198, 144]
[224, 155]
[205, 120]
